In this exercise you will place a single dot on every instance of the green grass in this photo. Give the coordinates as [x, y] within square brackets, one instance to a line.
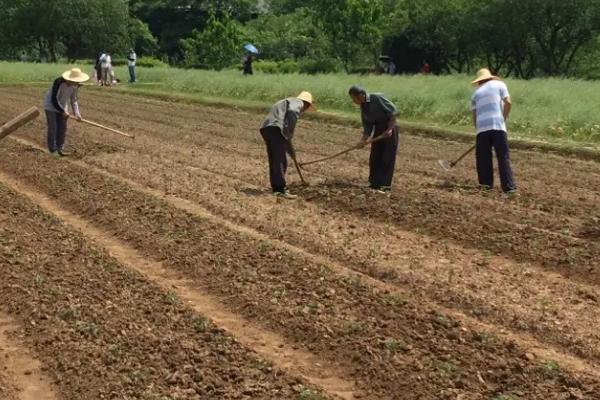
[547, 109]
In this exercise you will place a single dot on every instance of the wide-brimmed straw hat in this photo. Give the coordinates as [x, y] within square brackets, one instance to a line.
[307, 97]
[75, 75]
[484, 74]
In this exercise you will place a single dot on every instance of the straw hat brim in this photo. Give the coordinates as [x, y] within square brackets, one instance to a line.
[309, 100]
[485, 78]
[83, 77]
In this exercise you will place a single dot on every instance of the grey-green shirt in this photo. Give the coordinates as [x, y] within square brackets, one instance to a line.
[284, 114]
[376, 113]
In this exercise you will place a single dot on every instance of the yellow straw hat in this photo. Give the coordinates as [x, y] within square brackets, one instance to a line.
[307, 97]
[484, 74]
[75, 75]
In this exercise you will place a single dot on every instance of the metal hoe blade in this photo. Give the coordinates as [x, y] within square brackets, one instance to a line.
[445, 164]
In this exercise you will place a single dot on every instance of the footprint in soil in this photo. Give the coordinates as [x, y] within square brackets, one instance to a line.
[96, 149]
[326, 189]
[254, 191]
[451, 186]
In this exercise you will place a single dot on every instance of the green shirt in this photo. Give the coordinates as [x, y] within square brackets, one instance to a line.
[376, 113]
[284, 114]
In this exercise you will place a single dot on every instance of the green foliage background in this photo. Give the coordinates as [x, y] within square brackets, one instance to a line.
[522, 38]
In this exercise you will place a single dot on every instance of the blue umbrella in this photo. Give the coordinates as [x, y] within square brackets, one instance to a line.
[250, 48]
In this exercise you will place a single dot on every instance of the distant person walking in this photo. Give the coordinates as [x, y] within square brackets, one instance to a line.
[277, 131]
[247, 61]
[106, 67]
[378, 116]
[491, 106]
[390, 68]
[425, 68]
[63, 92]
[131, 60]
[98, 68]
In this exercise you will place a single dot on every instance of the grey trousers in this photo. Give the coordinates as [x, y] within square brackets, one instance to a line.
[57, 131]
[106, 78]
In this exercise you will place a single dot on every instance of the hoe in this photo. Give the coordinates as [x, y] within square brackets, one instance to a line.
[18, 122]
[448, 165]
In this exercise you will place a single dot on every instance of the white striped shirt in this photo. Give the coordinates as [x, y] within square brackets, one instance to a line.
[488, 104]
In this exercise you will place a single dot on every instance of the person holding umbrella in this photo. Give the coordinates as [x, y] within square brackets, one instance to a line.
[277, 131]
[63, 92]
[378, 116]
[491, 106]
[247, 60]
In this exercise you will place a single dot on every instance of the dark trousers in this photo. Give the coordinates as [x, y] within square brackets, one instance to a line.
[131, 73]
[485, 168]
[57, 130]
[277, 147]
[383, 160]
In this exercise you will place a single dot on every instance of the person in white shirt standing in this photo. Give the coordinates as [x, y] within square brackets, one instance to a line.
[63, 92]
[106, 66]
[491, 106]
[131, 60]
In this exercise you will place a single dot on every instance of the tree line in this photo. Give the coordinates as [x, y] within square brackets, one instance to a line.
[522, 38]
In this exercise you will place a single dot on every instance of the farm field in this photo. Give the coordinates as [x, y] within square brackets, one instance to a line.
[162, 268]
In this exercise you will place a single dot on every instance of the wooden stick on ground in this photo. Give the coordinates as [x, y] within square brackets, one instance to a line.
[348, 150]
[97, 125]
[18, 122]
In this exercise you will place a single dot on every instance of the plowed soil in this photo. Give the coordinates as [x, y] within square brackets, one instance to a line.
[435, 292]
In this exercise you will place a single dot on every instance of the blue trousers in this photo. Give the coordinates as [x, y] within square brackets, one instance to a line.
[131, 74]
[485, 167]
[57, 131]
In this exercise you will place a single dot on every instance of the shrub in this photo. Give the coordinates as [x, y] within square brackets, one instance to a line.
[151, 62]
[277, 67]
[267, 67]
[319, 66]
[288, 67]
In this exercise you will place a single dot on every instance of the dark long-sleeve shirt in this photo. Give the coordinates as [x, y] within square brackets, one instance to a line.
[284, 114]
[376, 113]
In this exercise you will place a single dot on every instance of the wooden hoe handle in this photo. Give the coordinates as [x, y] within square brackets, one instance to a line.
[97, 125]
[18, 122]
[348, 150]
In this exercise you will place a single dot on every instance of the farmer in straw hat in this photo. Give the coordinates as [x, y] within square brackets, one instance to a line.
[64, 90]
[491, 107]
[277, 131]
[378, 116]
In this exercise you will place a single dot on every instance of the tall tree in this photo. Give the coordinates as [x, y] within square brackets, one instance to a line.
[215, 47]
[560, 29]
[173, 20]
[67, 27]
[353, 27]
[288, 36]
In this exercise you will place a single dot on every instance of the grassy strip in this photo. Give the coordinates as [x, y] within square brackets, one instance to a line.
[587, 151]
[546, 117]
[545, 108]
